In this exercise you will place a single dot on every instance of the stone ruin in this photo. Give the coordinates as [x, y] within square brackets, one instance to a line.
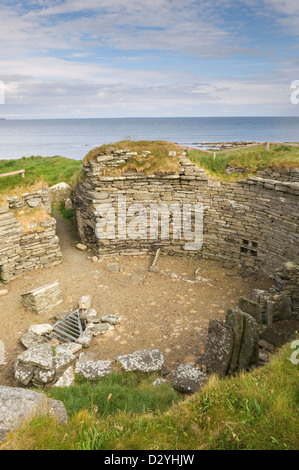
[34, 246]
[252, 222]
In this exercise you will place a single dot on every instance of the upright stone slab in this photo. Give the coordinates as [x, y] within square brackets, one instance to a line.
[250, 307]
[235, 320]
[249, 349]
[218, 347]
[42, 299]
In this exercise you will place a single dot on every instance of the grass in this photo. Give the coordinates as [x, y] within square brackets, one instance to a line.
[251, 411]
[39, 171]
[30, 218]
[252, 159]
[157, 162]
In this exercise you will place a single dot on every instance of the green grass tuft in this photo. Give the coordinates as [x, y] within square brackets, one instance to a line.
[50, 170]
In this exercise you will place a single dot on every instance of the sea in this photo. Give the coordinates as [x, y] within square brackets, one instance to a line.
[73, 138]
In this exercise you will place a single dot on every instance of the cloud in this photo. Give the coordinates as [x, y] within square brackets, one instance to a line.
[143, 56]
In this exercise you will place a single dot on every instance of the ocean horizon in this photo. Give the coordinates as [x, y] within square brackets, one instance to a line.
[73, 138]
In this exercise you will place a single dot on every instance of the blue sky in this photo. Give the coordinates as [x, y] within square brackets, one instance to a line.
[117, 58]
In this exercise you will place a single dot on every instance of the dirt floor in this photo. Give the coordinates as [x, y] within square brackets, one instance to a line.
[157, 310]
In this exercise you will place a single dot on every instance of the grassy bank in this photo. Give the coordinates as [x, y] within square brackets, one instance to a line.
[256, 410]
[252, 159]
[157, 161]
[39, 170]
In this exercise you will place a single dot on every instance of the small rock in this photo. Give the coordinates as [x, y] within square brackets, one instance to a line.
[89, 314]
[159, 381]
[67, 378]
[112, 319]
[41, 329]
[99, 328]
[81, 247]
[85, 338]
[94, 259]
[188, 379]
[3, 292]
[85, 302]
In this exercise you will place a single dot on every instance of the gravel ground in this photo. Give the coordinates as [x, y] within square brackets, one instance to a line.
[157, 310]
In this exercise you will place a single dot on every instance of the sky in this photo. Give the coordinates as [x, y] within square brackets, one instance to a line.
[148, 58]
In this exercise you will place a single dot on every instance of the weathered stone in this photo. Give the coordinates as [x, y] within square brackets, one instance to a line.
[235, 320]
[266, 345]
[160, 381]
[56, 409]
[18, 405]
[88, 314]
[250, 307]
[41, 329]
[41, 356]
[23, 373]
[43, 298]
[31, 339]
[3, 292]
[270, 335]
[112, 319]
[85, 302]
[148, 360]
[188, 379]
[67, 378]
[85, 338]
[81, 247]
[99, 328]
[249, 349]
[218, 347]
[278, 308]
[60, 192]
[93, 369]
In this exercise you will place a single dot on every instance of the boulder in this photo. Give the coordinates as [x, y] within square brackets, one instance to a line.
[60, 192]
[18, 405]
[188, 379]
[148, 360]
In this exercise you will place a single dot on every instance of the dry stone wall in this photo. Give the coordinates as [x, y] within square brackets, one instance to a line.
[21, 250]
[252, 221]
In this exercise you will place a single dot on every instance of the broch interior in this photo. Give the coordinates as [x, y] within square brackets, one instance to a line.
[250, 230]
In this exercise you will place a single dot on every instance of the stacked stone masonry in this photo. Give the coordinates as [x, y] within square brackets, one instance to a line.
[253, 222]
[22, 251]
